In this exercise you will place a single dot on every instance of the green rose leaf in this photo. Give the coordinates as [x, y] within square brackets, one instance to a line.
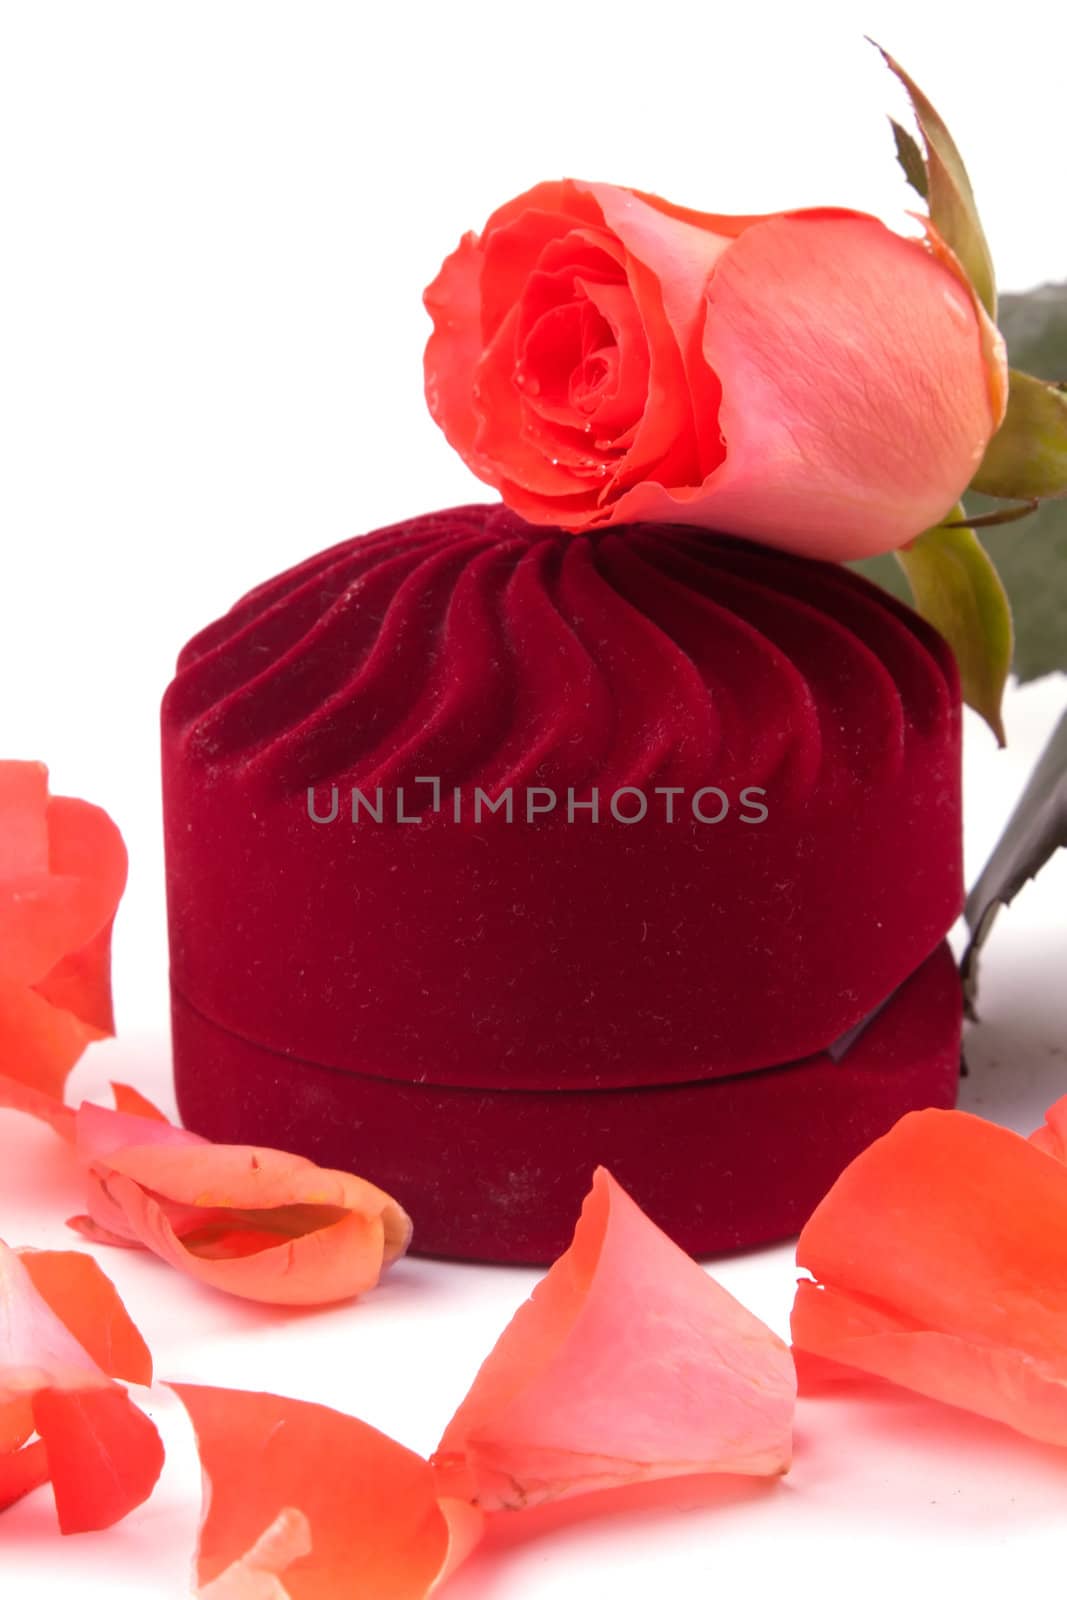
[953, 211]
[956, 588]
[1036, 829]
[911, 160]
[1027, 457]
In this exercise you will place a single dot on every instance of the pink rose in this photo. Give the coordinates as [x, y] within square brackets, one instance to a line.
[809, 379]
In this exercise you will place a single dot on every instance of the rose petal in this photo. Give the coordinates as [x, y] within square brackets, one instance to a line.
[52, 907]
[101, 1133]
[62, 873]
[627, 1364]
[36, 1346]
[520, 231]
[1051, 1137]
[678, 255]
[255, 1575]
[24, 836]
[872, 428]
[21, 1471]
[130, 1102]
[371, 1511]
[102, 1455]
[940, 1263]
[86, 1301]
[97, 1234]
[37, 1103]
[40, 1042]
[472, 356]
[453, 351]
[259, 1223]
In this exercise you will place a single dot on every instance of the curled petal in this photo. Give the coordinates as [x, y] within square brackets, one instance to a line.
[628, 1363]
[257, 1222]
[368, 1506]
[940, 1263]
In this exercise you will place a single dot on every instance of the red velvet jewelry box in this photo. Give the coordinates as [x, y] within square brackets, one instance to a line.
[495, 853]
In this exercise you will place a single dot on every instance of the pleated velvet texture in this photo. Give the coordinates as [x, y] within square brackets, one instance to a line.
[474, 1011]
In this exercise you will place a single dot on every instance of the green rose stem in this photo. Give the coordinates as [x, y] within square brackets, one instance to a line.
[996, 519]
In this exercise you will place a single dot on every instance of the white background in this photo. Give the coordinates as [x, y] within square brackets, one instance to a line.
[217, 222]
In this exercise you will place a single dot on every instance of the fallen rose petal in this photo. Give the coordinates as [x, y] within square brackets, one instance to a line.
[255, 1575]
[628, 1363]
[104, 1455]
[133, 1103]
[22, 1470]
[96, 1234]
[100, 1132]
[1051, 1137]
[15, 1096]
[370, 1508]
[101, 1454]
[259, 1223]
[62, 873]
[86, 1301]
[940, 1263]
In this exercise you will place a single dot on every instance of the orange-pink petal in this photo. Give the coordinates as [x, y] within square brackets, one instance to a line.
[1051, 1137]
[104, 1455]
[131, 1102]
[255, 1575]
[856, 402]
[861, 383]
[101, 1454]
[86, 1301]
[15, 1096]
[259, 1223]
[62, 873]
[628, 1363]
[288, 1476]
[939, 1261]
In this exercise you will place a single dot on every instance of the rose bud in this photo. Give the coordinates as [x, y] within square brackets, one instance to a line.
[809, 379]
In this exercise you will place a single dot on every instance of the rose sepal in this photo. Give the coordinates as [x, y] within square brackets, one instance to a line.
[1026, 459]
[946, 189]
[956, 587]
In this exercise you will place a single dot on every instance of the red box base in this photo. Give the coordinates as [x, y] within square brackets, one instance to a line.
[721, 1165]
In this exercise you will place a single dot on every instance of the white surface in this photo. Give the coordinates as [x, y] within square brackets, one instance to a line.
[885, 1491]
[219, 219]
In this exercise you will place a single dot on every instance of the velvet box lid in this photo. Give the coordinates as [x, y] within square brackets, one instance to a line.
[494, 853]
